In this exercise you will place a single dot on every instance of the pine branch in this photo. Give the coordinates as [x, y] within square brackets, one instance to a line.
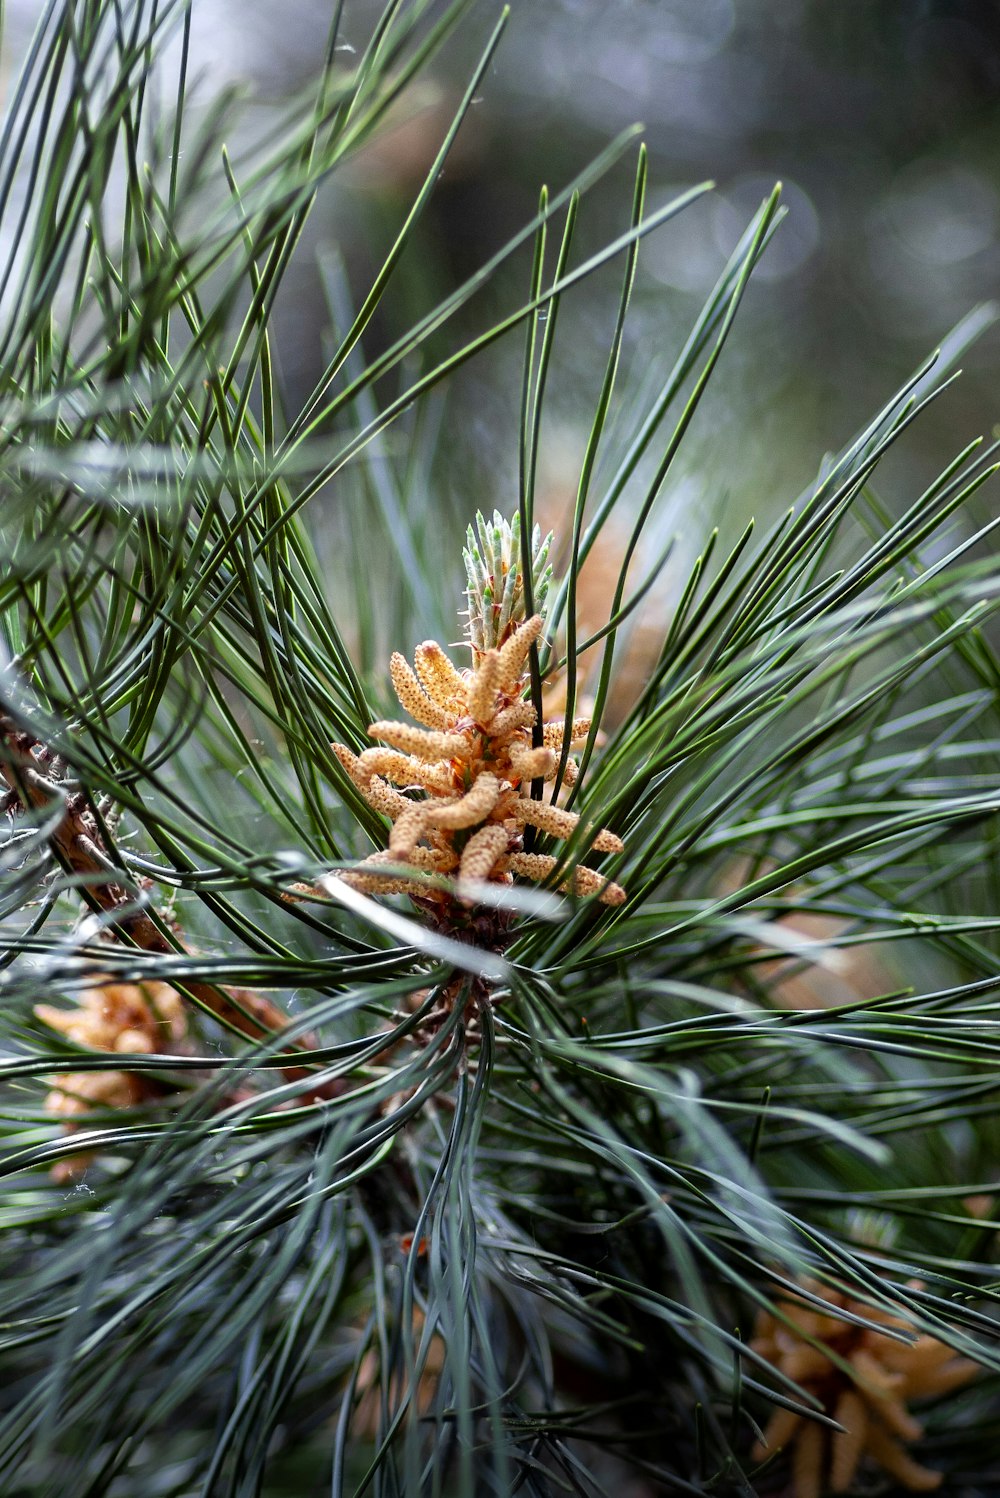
[36, 780]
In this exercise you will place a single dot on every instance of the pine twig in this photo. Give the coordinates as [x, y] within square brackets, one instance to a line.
[34, 779]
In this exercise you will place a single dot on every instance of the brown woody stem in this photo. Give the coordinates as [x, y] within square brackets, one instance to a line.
[77, 844]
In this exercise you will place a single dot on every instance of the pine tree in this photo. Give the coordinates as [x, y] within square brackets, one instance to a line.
[457, 1103]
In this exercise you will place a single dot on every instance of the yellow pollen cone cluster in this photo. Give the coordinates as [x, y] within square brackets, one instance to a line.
[120, 1019]
[457, 788]
[866, 1390]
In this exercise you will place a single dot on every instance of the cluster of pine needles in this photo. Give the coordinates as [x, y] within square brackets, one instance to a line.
[584, 1083]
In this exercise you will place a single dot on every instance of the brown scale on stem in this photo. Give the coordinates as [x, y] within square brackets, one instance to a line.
[862, 1378]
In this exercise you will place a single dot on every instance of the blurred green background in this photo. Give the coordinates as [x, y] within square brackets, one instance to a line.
[879, 116]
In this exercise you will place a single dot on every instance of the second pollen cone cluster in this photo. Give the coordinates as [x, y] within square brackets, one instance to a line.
[862, 1377]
